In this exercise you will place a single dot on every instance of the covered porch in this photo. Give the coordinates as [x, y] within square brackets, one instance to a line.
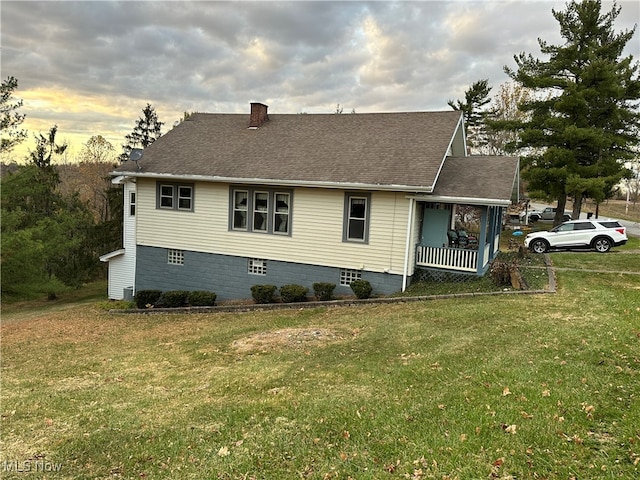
[458, 237]
[456, 227]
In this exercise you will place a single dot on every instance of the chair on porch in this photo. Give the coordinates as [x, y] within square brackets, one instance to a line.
[463, 238]
[454, 240]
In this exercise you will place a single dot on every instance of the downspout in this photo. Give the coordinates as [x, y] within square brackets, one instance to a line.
[407, 248]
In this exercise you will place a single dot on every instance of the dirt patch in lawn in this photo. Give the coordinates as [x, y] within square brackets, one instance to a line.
[285, 338]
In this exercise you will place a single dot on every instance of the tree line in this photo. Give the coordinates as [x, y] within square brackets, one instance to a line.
[57, 219]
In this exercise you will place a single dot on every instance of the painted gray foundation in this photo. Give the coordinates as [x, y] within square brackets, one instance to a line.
[227, 276]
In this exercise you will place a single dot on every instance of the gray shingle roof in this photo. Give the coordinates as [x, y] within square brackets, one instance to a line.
[478, 177]
[377, 149]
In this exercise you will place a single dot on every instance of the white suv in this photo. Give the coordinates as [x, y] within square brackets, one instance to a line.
[600, 235]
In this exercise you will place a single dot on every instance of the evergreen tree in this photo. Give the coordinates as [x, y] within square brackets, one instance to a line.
[48, 238]
[43, 193]
[147, 130]
[474, 113]
[10, 119]
[582, 121]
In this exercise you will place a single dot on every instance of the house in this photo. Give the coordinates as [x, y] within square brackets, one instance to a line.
[226, 201]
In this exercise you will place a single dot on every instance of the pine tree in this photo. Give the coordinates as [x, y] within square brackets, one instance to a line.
[147, 130]
[474, 113]
[582, 121]
[10, 119]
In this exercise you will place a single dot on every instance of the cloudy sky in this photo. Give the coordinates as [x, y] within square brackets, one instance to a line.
[91, 66]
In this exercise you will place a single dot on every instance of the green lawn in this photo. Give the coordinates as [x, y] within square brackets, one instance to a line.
[524, 386]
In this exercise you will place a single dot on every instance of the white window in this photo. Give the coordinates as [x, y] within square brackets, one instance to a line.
[261, 211]
[166, 196]
[281, 213]
[132, 204]
[257, 266]
[240, 208]
[356, 218]
[175, 196]
[185, 195]
[348, 275]
[175, 257]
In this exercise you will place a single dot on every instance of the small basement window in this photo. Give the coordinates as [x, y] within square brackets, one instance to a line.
[257, 266]
[348, 275]
[175, 257]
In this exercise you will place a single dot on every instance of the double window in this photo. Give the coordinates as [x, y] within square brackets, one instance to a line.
[175, 196]
[260, 210]
[356, 217]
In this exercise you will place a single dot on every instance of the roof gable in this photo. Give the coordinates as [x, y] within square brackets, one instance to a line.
[400, 150]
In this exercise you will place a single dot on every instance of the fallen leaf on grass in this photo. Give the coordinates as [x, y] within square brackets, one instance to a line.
[223, 452]
[509, 428]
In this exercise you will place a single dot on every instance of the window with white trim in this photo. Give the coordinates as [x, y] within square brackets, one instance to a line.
[240, 209]
[257, 266]
[175, 257]
[356, 217]
[175, 196]
[348, 275]
[260, 211]
[185, 197]
[132, 204]
[281, 213]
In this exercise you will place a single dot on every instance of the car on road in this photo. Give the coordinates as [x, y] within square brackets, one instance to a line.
[546, 214]
[599, 235]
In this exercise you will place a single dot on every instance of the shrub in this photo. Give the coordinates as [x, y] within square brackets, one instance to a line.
[263, 293]
[323, 290]
[362, 288]
[174, 298]
[293, 293]
[145, 298]
[202, 298]
[500, 272]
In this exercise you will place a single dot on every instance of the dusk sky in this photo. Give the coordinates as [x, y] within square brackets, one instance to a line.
[91, 67]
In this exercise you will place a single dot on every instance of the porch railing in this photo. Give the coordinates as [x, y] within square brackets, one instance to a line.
[450, 258]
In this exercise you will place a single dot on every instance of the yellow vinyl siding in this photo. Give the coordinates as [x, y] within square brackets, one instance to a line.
[316, 223]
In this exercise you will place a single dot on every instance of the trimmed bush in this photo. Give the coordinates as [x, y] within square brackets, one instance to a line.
[146, 298]
[323, 290]
[174, 298]
[362, 288]
[293, 293]
[202, 298]
[263, 293]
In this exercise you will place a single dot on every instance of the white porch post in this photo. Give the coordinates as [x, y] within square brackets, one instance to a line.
[407, 249]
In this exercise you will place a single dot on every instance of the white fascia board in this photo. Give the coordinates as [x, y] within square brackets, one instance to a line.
[108, 256]
[453, 137]
[462, 200]
[121, 179]
[288, 183]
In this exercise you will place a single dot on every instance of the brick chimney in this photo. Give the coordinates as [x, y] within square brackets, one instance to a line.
[258, 115]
